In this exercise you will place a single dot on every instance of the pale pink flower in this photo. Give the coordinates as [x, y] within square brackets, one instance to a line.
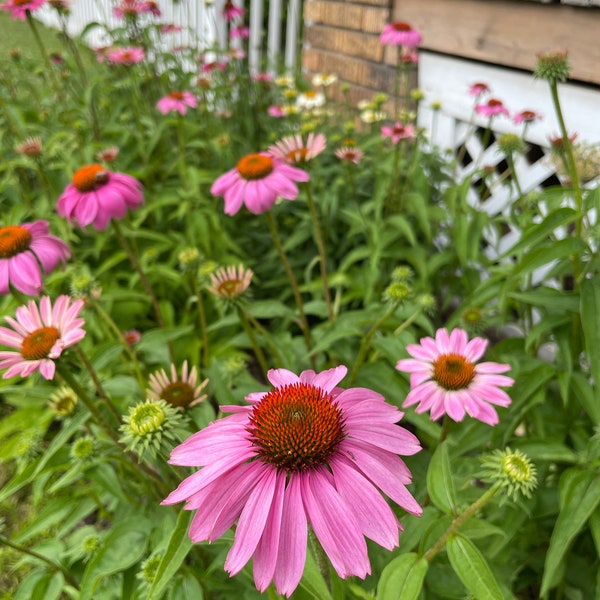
[276, 111]
[25, 251]
[132, 8]
[132, 337]
[230, 282]
[170, 28]
[294, 151]
[491, 108]
[179, 391]
[108, 154]
[231, 11]
[177, 101]
[349, 154]
[526, 116]
[398, 132]
[19, 8]
[445, 379]
[241, 32]
[479, 88]
[211, 66]
[257, 181]
[97, 195]
[400, 34]
[305, 453]
[40, 336]
[126, 56]
[262, 77]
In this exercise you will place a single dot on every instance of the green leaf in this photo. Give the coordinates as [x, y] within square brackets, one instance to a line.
[472, 568]
[554, 300]
[586, 394]
[541, 231]
[439, 480]
[544, 255]
[177, 549]
[590, 315]
[124, 546]
[579, 497]
[402, 578]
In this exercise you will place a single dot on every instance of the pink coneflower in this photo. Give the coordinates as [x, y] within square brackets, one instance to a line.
[108, 154]
[305, 453]
[19, 8]
[294, 151]
[32, 146]
[557, 142]
[276, 111]
[398, 132]
[211, 66]
[40, 336]
[177, 101]
[262, 77]
[478, 88]
[25, 251]
[132, 8]
[400, 34]
[445, 379]
[170, 28]
[97, 195]
[526, 116]
[256, 181]
[241, 32]
[230, 282]
[132, 337]
[349, 154]
[180, 392]
[491, 108]
[231, 11]
[126, 56]
[409, 57]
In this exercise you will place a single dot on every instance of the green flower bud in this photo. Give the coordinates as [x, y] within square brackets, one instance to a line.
[512, 470]
[554, 67]
[63, 402]
[511, 143]
[83, 449]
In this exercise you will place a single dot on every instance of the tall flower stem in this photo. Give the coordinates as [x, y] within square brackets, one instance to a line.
[265, 334]
[42, 48]
[320, 558]
[293, 283]
[99, 389]
[181, 159]
[53, 565]
[106, 318]
[366, 341]
[574, 176]
[460, 520]
[260, 355]
[314, 215]
[145, 282]
[66, 374]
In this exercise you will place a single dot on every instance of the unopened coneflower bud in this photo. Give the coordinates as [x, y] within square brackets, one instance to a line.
[396, 292]
[554, 67]
[148, 570]
[417, 94]
[188, 259]
[230, 282]
[63, 402]
[90, 544]
[152, 427]
[402, 273]
[472, 318]
[512, 470]
[426, 302]
[83, 449]
[510, 143]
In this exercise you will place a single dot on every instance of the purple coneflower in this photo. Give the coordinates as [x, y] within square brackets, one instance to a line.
[177, 101]
[305, 453]
[40, 335]
[445, 379]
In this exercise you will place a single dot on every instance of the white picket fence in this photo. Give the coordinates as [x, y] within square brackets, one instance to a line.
[204, 27]
[446, 80]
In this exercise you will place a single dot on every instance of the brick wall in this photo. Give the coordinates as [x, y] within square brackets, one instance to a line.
[342, 37]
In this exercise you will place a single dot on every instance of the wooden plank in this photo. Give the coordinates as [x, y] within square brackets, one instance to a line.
[507, 33]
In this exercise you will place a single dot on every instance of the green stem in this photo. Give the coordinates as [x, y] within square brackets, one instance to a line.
[119, 335]
[45, 57]
[145, 282]
[366, 341]
[54, 566]
[99, 389]
[293, 283]
[266, 336]
[320, 558]
[515, 177]
[408, 321]
[260, 356]
[314, 215]
[203, 330]
[66, 374]
[460, 520]
[181, 161]
[573, 174]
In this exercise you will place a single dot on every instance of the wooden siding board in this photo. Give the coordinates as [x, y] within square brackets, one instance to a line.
[507, 33]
